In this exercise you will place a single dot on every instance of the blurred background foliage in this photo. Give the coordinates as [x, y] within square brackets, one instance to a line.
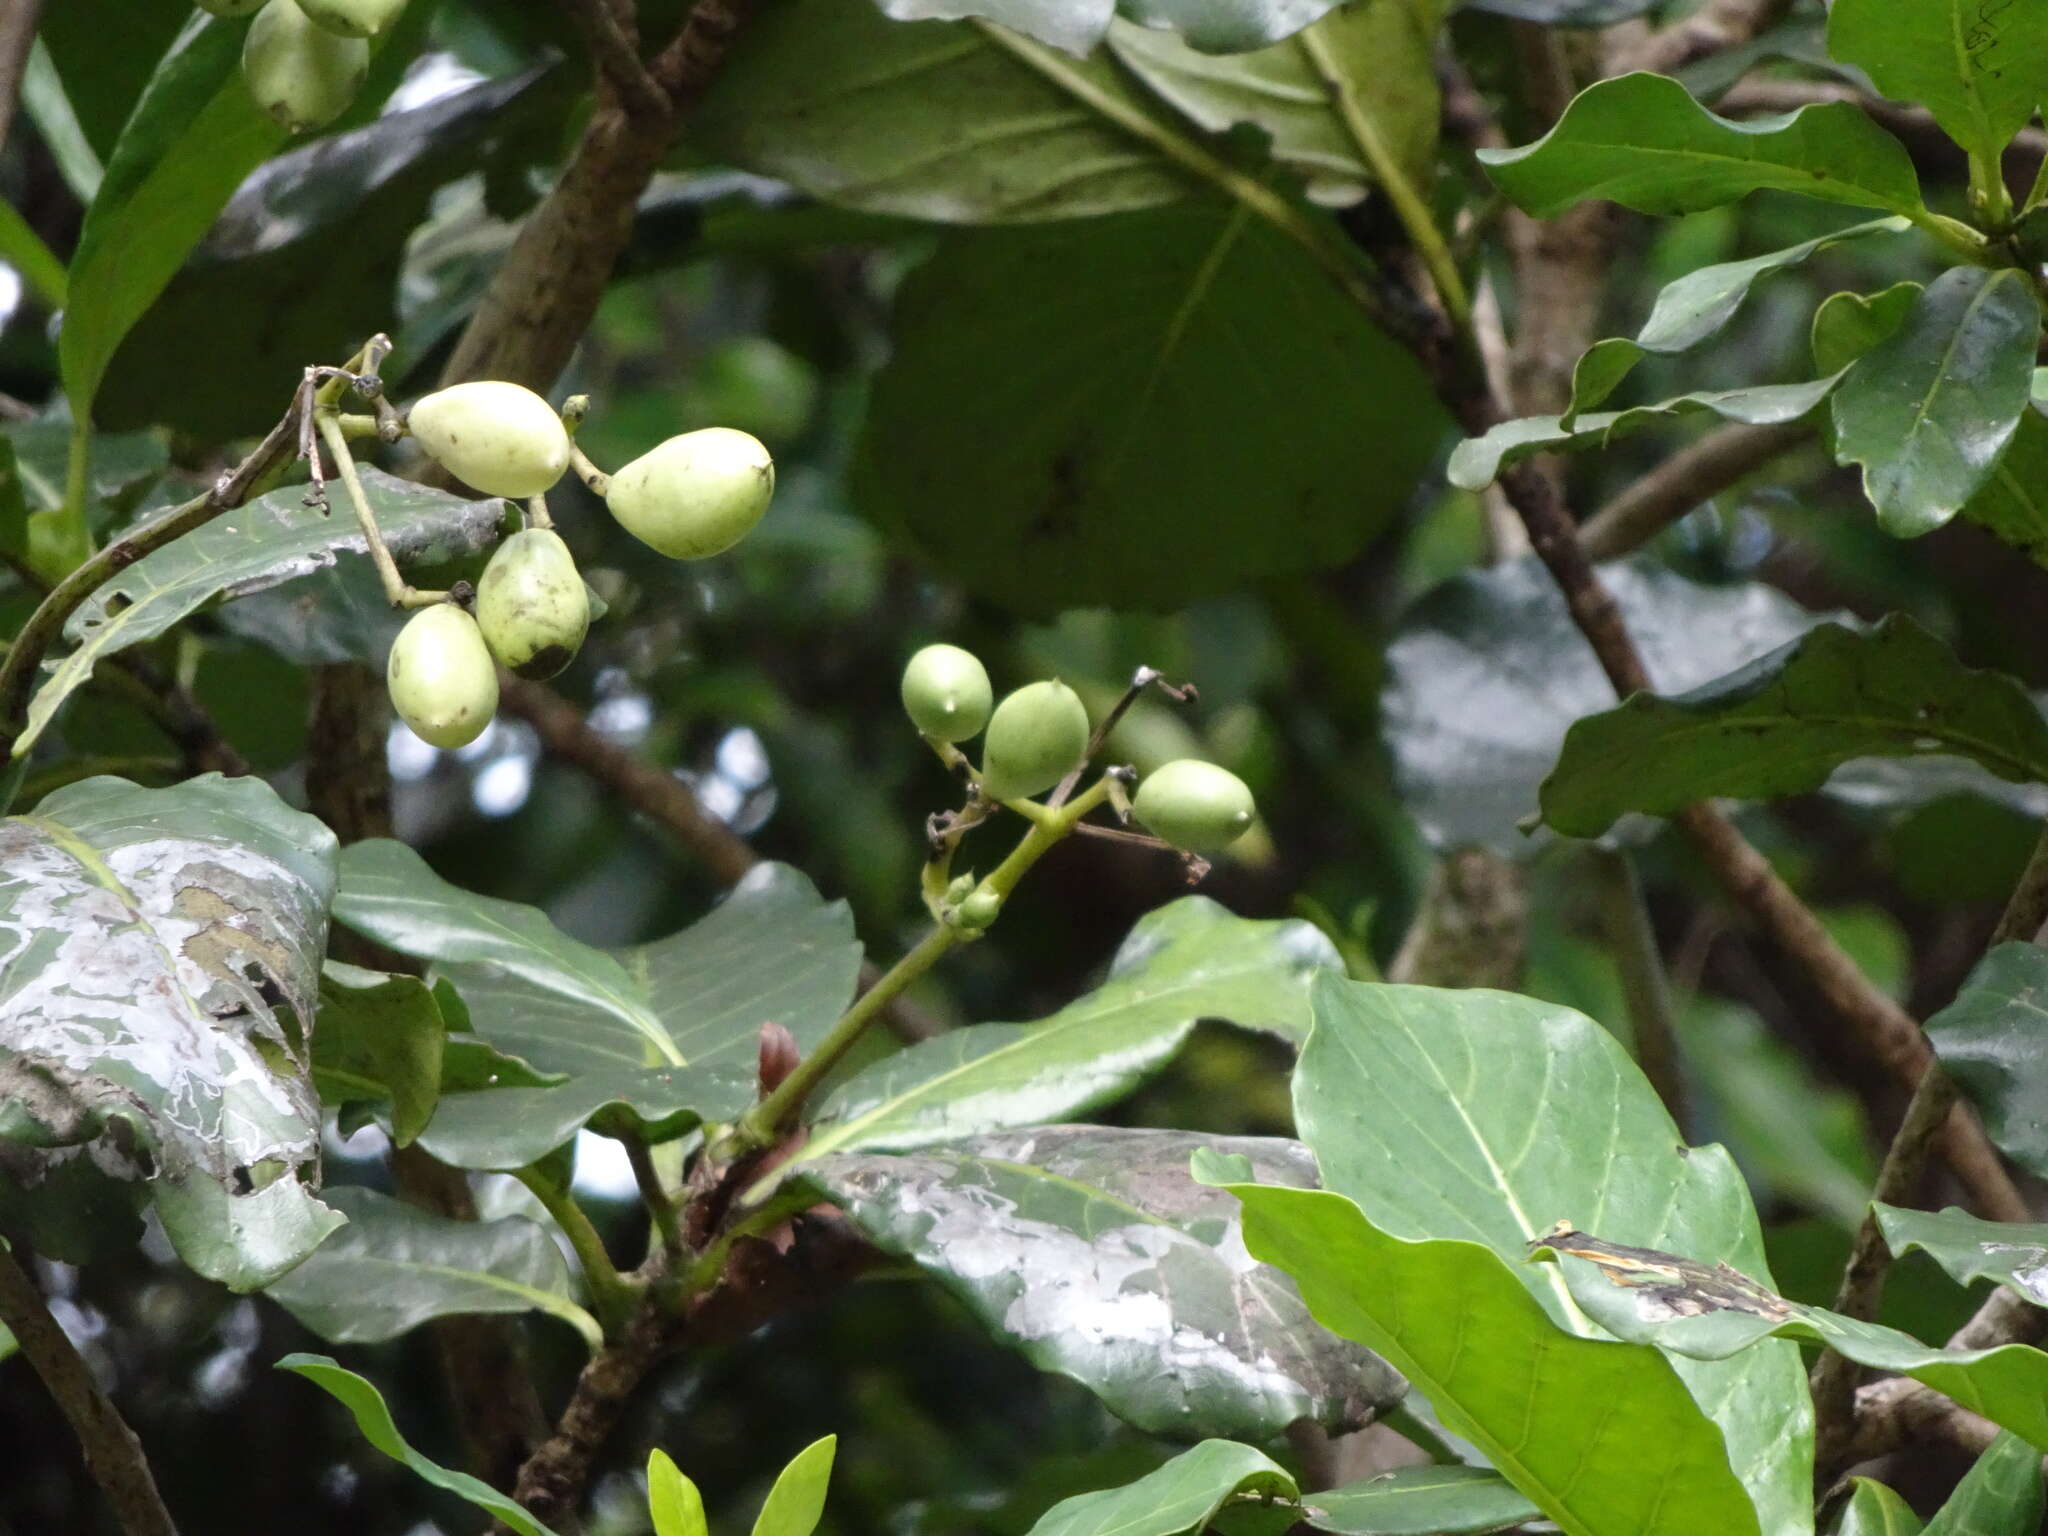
[767, 678]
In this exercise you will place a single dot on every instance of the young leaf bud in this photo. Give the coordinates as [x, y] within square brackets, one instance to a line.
[440, 677]
[695, 495]
[1194, 805]
[302, 75]
[1035, 737]
[978, 911]
[501, 438]
[352, 18]
[946, 692]
[531, 605]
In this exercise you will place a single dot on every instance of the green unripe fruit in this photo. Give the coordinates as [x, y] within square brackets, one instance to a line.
[695, 495]
[1035, 737]
[978, 911]
[531, 605]
[946, 692]
[501, 438]
[441, 678]
[231, 8]
[1195, 805]
[352, 18]
[302, 75]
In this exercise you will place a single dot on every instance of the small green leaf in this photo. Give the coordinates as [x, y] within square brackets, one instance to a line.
[673, 1503]
[1999, 1496]
[1181, 1497]
[1874, 1510]
[374, 1419]
[1784, 723]
[1982, 70]
[1928, 410]
[1420, 1501]
[1642, 141]
[797, 1501]
[1847, 325]
[379, 1036]
[2013, 502]
[1989, 1040]
[1969, 1248]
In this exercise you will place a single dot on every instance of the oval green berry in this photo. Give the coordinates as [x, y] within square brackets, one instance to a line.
[352, 18]
[1035, 737]
[501, 438]
[1195, 805]
[946, 692]
[441, 678]
[302, 75]
[531, 605]
[695, 495]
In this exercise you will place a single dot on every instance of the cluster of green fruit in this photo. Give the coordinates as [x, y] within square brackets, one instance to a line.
[1039, 734]
[305, 60]
[693, 496]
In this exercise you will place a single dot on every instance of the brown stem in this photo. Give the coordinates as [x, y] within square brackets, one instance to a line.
[1714, 26]
[17, 35]
[1695, 474]
[611, 32]
[112, 1453]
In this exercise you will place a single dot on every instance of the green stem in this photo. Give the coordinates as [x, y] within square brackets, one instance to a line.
[660, 1207]
[611, 1294]
[1959, 237]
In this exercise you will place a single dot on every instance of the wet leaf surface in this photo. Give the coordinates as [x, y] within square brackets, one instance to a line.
[1969, 1248]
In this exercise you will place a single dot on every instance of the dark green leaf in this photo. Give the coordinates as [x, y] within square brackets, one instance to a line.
[1096, 476]
[103, 83]
[1642, 141]
[1874, 1510]
[1473, 732]
[1181, 1497]
[1982, 70]
[1847, 325]
[1182, 963]
[797, 1501]
[379, 1037]
[271, 541]
[374, 1419]
[949, 121]
[1420, 1501]
[1694, 307]
[1090, 1249]
[1928, 410]
[2015, 1254]
[1483, 1115]
[1999, 1496]
[1990, 1041]
[1785, 722]
[159, 960]
[394, 1267]
[2013, 502]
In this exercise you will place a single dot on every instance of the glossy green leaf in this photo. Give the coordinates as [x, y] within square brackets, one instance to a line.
[1184, 962]
[1477, 462]
[673, 1503]
[1989, 1039]
[1784, 723]
[379, 1037]
[797, 1501]
[1999, 1496]
[1642, 141]
[1181, 1497]
[1095, 475]
[1487, 1116]
[366, 1404]
[395, 1266]
[1969, 1248]
[1471, 738]
[193, 136]
[159, 959]
[272, 540]
[1694, 307]
[2013, 502]
[1928, 410]
[1090, 1250]
[1542, 1404]
[1847, 325]
[1686, 1308]
[1982, 70]
[1874, 1510]
[948, 121]
[1420, 1501]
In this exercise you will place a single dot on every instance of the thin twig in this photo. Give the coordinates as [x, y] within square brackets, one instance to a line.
[1697, 473]
[612, 35]
[112, 1453]
[661, 1209]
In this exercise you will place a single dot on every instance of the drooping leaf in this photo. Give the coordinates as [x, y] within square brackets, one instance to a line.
[1989, 1039]
[379, 1037]
[1096, 475]
[673, 1503]
[1689, 1308]
[1181, 1497]
[271, 541]
[1694, 307]
[1184, 962]
[2013, 500]
[1641, 140]
[1847, 325]
[159, 960]
[1969, 1248]
[1089, 1249]
[1785, 722]
[395, 1266]
[1487, 1116]
[1928, 410]
[1473, 730]
[1999, 1496]
[797, 1501]
[1477, 462]
[1420, 1501]
[1542, 1404]
[1874, 1510]
[947, 121]
[1982, 70]
[373, 1418]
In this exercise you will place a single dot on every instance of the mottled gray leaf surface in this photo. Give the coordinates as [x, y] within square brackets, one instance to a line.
[159, 965]
[1993, 1040]
[1092, 1251]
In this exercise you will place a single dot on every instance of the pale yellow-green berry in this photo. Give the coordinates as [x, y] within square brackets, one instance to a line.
[531, 605]
[441, 678]
[695, 495]
[946, 692]
[501, 438]
[302, 75]
[1194, 805]
[1035, 738]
